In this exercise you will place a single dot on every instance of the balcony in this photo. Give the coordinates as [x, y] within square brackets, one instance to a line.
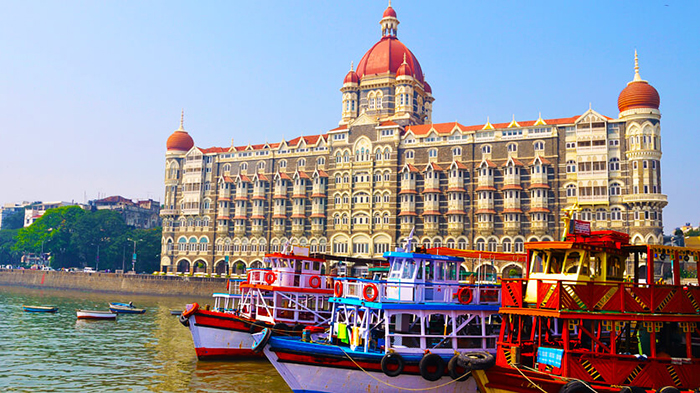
[431, 228]
[538, 178]
[406, 228]
[511, 227]
[455, 228]
[318, 229]
[278, 229]
[256, 230]
[510, 203]
[539, 227]
[636, 198]
[485, 204]
[485, 181]
[239, 230]
[485, 227]
[538, 203]
[297, 229]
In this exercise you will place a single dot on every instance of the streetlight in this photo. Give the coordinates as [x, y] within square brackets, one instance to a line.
[133, 257]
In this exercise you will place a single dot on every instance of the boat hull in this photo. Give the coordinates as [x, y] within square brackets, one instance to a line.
[39, 309]
[126, 310]
[222, 336]
[307, 370]
[85, 314]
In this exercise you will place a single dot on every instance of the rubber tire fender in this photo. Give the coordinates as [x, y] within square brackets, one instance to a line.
[259, 345]
[184, 320]
[575, 386]
[668, 389]
[280, 329]
[254, 326]
[453, 369]
[632, 389]
[431, 360]
[389, 359]
[481, 360]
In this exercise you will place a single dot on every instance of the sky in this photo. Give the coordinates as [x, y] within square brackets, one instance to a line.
[91, 90]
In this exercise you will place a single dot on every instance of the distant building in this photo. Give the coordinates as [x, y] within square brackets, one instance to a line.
[9, 209]
[33, 211]
[140, 214]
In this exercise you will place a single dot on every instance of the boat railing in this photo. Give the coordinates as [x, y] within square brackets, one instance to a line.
[623, 297]
[289, 279]
[409, 292]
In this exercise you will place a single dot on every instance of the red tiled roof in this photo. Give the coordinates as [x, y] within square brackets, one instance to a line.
[222, 217]
[303, 175]
[440, 128]
[431, 213]
[431, 190]
[388, 123]
[408, 192]
[407, 214]
[279, 197]
[257, 217]
[259, 197]
[539, 185]
[214, 150]
[512, 211]
[318, 215]
[279, 216]
[298, 216]
[456, 189]
[544, 160]
[240, 218]
[343, 127]
[322, 173]
[244, 178]
[511, 187]
[515, 162]
[228, 179]
[455, 212]
[115, 199]
[262, 177]
[489, 164]
[284, 176]
[225, 199]
[459, 165]
[299, 196]
[434, 166]
[411, 168]
[241, 198]
[539, 210]
[318, 195]
[485, 188]
[485, 211]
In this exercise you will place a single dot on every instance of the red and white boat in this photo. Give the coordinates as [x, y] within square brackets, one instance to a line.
[96, 314]
[288, 296]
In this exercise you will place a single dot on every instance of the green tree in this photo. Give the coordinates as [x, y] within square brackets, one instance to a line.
[102, 231]
[8, 256]
[147, 249]
[14, 221]
[54, 231]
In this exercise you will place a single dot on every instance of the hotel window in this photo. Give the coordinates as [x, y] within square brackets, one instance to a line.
[283, 164]
[457, 151]
[634, 164]
[645, 164]
[409, 154]
[512, 147]
[244, 166]
[616, 214]
[614, 164]
[571, 190]
[486, 149]
[321, 161]
[539, 145]
[519, 246]
[301, 163]
[571, 166]
[432, 153]
[615, 189]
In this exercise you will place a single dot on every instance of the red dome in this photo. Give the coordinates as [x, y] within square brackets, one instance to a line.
[638, 94]
[389, 13]
[351, 77]
[427, 88]
[405, 69]
[180, 140]
[386, 56]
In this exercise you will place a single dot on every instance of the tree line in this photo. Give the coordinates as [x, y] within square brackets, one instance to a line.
[74, 237]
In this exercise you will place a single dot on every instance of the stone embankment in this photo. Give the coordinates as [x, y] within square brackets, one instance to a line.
[140, 284]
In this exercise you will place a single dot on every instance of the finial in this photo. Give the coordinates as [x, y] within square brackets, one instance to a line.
[352, 66]
[182, 121]
[637, 78]
[590, 106]
[389, 3]
[404, 58]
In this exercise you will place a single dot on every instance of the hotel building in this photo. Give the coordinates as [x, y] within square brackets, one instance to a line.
[360, 188]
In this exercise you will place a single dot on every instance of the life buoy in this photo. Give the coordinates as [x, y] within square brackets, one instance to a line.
[465, 295]
[315, 281]
[270, 278]
[338, 289]
[575, 386]
[392, 364]
[431, 366]
[458, 371]
[259, 345]
[190, 309]
[477, 360]
[370, 292]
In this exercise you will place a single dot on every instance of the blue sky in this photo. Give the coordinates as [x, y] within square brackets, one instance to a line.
[90, 91]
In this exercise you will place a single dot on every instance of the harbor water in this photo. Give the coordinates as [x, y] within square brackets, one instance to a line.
[152, 352]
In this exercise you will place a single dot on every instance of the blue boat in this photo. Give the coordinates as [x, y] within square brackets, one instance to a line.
[125, 308]
[50, 309]
[418, 329]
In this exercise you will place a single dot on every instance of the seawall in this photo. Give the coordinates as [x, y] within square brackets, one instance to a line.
[115, 283]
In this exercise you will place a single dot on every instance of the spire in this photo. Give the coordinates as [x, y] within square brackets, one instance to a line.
[539, 121]
[389, 22]
[352, 65]
[182, 121]
[513, 123]
[404, 55]
[637, 78]
[488, 125]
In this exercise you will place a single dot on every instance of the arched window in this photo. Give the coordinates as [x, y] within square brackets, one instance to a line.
[261, 165]
[615, 189]
[301, 162]
[571, 190]
[571, 166]
[283, 164]
[457, 151]
[616, 214]
[409, 154]
[507, 245]
[614, 164]
[244, 166]
[539, 145]
[486, 149]
[481, 245]
[432, 153]
[512, 147]
[519, 246]
[321, 161]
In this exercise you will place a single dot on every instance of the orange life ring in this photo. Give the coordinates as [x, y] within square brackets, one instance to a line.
[465, 295]
[270, 278]
[315, 281]
[338, 289]
[190, 310]
[370, 292]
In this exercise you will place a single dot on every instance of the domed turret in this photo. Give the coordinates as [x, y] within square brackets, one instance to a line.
[638, 93]
[404, 69]
[180, 140]
[351, 77]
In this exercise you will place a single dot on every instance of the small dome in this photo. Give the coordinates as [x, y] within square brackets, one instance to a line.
[351, 77]
[427, 88]
[638, 94]
[180, 140]
[389, 13]
[404, 70]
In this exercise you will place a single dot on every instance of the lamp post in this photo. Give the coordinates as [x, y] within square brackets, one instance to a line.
[133, 257]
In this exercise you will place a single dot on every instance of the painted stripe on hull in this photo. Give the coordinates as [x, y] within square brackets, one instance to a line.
[226, 353]
[220, 342]
[319, 378]
[500, 380]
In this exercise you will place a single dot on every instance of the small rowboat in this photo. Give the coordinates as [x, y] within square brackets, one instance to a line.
[39, 308]
[125, 308]
[96, 314]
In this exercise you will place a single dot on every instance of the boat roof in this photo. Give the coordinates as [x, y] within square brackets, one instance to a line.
[414, 255]
[292, 256]
[408, 306]
[500, 256]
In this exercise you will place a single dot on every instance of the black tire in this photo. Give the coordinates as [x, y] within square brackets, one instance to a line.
[259, 345]
[575, 387]
[477, 360]
[280, 329]
[185, 321]
[255, 327]
[298, 328]
[457, 370]
[668, 389]
[389, 360]
[429, 361]
[632, 389]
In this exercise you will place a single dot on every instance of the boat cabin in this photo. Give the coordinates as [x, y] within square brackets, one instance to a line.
[421, 277]
[288, 270]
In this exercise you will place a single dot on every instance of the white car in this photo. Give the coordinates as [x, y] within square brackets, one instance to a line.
[89, 270]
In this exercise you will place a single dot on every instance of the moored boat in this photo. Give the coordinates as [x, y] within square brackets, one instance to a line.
[577, 323]
[289, 295]
[95, 314]
[49, 309]
[419, 329]
[125, 308]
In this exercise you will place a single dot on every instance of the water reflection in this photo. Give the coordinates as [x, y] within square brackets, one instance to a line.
[149, 352]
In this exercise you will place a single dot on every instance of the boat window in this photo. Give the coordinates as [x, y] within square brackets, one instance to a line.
[585, 262]
[572, 262]
[396, 268]
[420, 271]
[439, 266]
[614, 270]
[596, 263]
[538, 258]
[451, 271]
[554, 263]
[409, 268]
[317, 266]
[307, 265]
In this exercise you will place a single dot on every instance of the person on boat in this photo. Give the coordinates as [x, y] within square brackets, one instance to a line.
[131, 304]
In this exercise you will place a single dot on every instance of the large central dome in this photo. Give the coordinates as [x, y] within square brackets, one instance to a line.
[387, 55]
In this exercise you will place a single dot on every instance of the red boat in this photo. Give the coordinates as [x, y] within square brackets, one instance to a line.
[576, 323]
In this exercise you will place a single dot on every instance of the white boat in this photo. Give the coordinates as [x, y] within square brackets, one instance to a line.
[96, 314]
